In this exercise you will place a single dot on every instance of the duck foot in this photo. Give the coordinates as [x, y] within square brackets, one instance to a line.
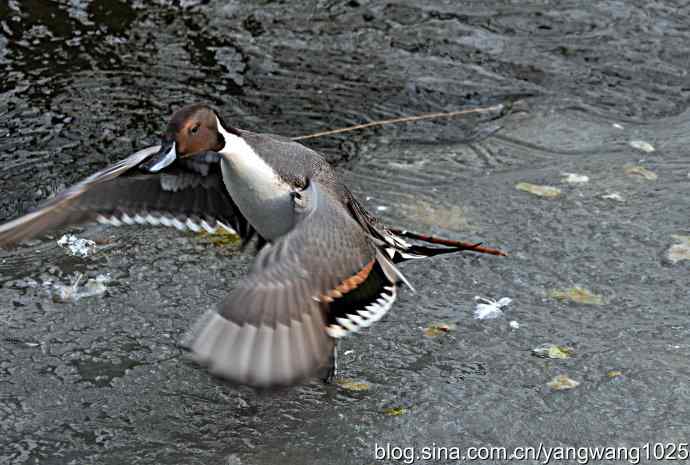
[333, 366]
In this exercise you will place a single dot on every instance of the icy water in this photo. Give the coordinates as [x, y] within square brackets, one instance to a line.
[592, 87]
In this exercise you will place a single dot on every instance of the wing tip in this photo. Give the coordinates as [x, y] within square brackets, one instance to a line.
[244, 354]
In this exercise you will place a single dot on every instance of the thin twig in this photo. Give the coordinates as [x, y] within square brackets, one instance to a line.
[404, 119]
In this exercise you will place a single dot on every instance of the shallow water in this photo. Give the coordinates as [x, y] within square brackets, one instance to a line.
[102, 380]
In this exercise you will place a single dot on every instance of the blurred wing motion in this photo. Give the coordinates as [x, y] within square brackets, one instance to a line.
[189, 194]
[278, 325]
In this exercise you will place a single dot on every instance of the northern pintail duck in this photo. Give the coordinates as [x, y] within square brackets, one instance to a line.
[326, 267]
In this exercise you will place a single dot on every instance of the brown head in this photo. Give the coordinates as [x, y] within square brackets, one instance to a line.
[192, 130]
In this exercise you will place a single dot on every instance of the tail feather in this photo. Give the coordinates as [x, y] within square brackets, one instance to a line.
[394, 243]
[449, 245]
[414, 252]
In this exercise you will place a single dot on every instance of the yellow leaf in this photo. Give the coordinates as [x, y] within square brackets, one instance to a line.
[577, 295]
[437, 329]
[395, 411]
[541, 191]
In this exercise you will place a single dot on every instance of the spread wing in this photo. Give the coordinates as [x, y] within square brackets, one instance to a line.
[189, 194]
[272, 328]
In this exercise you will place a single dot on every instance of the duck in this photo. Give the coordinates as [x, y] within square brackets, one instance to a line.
[325, 267]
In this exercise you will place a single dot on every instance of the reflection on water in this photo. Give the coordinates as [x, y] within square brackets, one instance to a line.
[102, 380]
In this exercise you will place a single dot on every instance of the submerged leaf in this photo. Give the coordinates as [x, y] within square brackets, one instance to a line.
[642, 145]
[437, 215]
[553, 351]
[577, 295]
[613, 196]
[574, 178]
[681, 251]
[562, 383]
[640, 171]
[536, 189]
[352, 385]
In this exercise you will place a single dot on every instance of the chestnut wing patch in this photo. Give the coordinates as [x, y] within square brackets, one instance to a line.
[363, 305]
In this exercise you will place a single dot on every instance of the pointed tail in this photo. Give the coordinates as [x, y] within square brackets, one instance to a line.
[413, 251]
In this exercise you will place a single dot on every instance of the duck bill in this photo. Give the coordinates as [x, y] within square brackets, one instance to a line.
[165, 156]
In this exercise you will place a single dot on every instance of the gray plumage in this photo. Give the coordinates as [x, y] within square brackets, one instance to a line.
[326, 268]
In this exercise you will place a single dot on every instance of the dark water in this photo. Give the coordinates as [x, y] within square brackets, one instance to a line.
[102, 380]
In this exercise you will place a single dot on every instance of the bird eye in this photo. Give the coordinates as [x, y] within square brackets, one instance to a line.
[194, 129]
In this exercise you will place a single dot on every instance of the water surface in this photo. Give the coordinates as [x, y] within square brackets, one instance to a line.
[102, 380]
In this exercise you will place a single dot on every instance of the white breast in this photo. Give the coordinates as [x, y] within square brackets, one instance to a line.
[260, 194]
